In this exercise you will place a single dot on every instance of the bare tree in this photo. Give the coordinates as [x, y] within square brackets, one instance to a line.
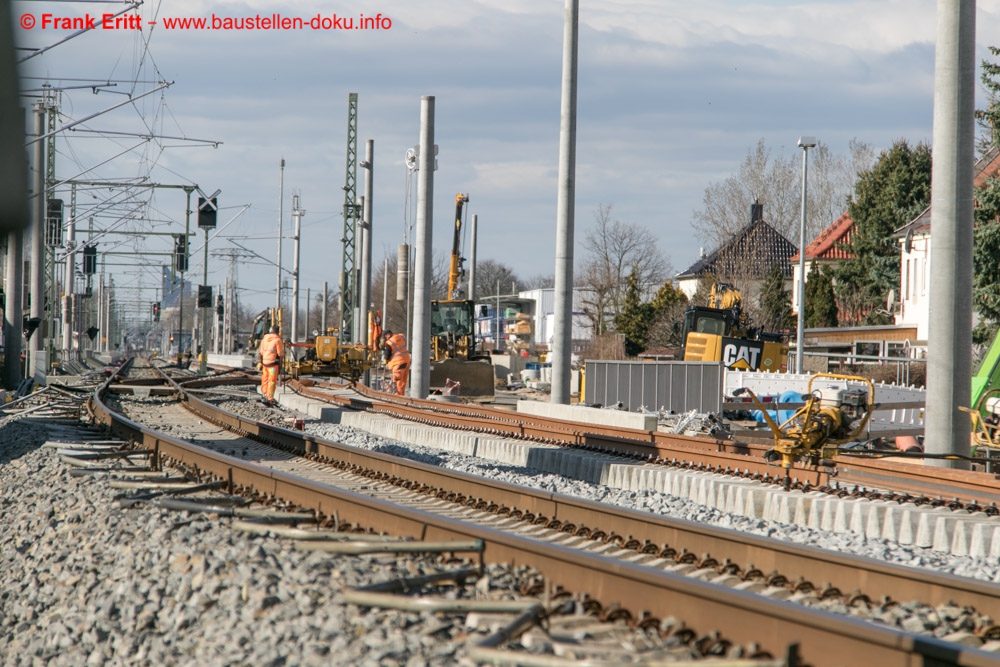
[490, 273]
[777, 182]
[614, 249]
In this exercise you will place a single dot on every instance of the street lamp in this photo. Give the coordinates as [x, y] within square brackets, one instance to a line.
[805, 143]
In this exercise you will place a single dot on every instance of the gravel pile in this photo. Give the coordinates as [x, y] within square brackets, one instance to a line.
[85, 582]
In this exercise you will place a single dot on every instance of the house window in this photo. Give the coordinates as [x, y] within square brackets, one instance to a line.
[897, 350]
[868, 348]
[906, 279]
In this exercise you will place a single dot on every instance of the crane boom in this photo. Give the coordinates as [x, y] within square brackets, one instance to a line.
[455, 269]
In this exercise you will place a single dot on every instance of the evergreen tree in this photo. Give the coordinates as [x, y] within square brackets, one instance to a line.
[635, 318]
[775, 301]
[989, 118]
[668, 307]
[821, 305]
[886, 197]
[986, 252]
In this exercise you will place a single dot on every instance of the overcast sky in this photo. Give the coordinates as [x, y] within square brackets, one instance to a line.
[672, 95]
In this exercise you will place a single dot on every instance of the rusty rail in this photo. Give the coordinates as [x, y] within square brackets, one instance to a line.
[643, 591]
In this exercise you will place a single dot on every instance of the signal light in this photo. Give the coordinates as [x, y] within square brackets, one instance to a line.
[156, 311]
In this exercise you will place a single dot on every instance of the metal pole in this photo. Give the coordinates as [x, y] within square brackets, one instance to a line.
[305, 329]
[365, 302]
[203, 355]
[297, 214]
[326, 296]
[67, 301]
[180, 312]
[805, 143]
[385, 289]
[36, 356]
[281, 215]
[359, 321]
[950, 331]
[562, 339]
[472, 258]
[420, 375]
[12, 327]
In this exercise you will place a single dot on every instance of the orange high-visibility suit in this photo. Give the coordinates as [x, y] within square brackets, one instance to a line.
[397, 359]
[271, 352]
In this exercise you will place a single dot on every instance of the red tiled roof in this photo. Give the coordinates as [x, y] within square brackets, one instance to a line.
[827, 244]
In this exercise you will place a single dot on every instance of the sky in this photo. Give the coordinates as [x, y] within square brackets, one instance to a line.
[671, 97]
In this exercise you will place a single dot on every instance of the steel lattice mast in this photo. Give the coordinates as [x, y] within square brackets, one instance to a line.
[348, 277]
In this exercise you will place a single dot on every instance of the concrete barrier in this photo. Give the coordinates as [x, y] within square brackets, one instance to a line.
[582, 414]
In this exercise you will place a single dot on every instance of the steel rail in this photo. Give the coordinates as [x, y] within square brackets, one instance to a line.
[825, 638]
[969, 487]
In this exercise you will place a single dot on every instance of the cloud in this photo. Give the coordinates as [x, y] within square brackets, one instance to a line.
[671, 96]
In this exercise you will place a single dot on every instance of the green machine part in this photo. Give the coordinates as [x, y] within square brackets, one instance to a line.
[988, 376]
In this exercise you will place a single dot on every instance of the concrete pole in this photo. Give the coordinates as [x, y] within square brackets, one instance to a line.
[326, 295]
[297, 214]
[37, 364]
[12, 318]
[67, 301]
[949, 363]
[420, 376]
[562, 339]
[281, 216]
[472, 257]
[360, 308]
[385, 289]
[365, 302]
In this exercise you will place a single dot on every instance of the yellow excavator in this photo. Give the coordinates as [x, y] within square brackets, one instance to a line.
[722, 331]
[457, 367]
[323, 354]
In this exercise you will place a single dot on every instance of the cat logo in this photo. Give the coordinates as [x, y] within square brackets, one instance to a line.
[742, 355]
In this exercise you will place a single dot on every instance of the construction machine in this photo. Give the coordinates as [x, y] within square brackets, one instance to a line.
[722, 331]
[456, 365]
[323, 354]
[836, 410]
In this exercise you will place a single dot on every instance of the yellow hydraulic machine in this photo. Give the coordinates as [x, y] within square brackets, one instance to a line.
[456, 365]
[832, 415]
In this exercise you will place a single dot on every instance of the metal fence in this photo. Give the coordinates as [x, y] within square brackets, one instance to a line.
[677, 386]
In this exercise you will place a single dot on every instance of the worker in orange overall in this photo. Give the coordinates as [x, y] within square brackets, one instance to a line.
[397, 359]
[269, 357]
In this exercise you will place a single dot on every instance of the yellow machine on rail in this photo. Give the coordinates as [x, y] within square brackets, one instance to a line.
[456, 364]
[323, 354]
[833, 414]
[722, 331]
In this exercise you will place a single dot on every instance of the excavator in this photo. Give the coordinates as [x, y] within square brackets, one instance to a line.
[722, 331]
[457, 367]
[324, 354]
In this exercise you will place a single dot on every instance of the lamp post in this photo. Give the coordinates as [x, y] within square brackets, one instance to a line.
[805, 143]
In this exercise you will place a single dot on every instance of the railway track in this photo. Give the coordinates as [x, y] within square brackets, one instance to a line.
[629, 563]
[875, 479]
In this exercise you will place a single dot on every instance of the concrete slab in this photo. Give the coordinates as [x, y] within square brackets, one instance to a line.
[585, 415]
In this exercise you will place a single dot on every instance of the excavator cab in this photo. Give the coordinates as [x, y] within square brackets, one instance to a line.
[721, 331]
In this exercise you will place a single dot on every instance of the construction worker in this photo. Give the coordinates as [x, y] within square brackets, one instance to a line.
[397, 359]
[269, 357]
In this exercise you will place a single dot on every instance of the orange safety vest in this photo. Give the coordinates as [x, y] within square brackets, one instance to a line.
[271, 349]
[398, 354]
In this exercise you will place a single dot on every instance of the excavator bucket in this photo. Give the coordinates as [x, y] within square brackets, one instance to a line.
[466, 379]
